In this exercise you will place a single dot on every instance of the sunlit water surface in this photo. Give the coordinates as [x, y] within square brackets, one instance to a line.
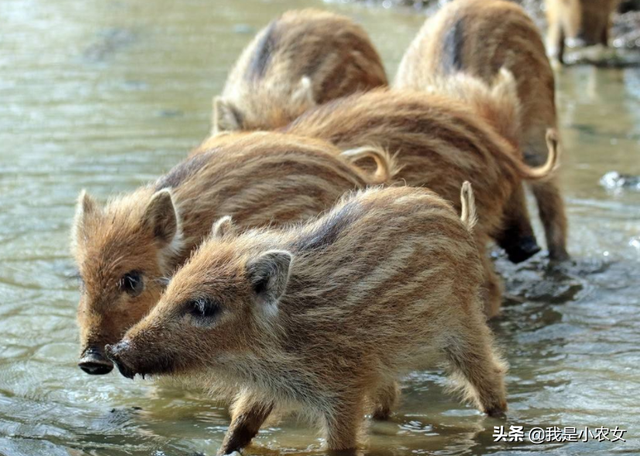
[107, 95]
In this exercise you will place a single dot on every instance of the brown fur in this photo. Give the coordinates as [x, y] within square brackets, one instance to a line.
[497, 42]
[301, 59]
[258, 178]
[440, 142]
[330, 313]
[585, 22]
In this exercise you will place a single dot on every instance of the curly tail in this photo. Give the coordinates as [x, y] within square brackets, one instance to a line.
[468, 214]
[550, 166]
[386, 167]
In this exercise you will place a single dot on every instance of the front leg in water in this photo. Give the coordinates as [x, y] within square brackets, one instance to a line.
[248, 415]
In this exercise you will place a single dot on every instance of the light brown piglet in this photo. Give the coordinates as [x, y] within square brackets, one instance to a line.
[483, 38]
[300, 59]
[328, 314]
[127, 250]
[579, 22]
[440, 142]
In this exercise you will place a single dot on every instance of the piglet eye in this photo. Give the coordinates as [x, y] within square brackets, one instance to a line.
[203, 308]
[132, 283]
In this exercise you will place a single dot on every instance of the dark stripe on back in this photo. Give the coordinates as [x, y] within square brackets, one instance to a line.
[452, 48]
[262, 55]
[329, 230]
[183, 171]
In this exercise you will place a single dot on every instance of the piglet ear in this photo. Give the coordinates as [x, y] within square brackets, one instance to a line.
[161, 218]
[85, 208]
[223, 227]
[269, 275]
[225, 116]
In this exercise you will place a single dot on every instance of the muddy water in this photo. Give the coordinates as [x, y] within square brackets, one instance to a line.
[106, 95]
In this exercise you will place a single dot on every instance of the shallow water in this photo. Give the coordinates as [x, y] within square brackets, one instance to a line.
[106, 95]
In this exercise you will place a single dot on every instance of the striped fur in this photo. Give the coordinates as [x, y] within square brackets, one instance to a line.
[498, 44]
[386, 282]
[585, 22]
[301, 59]
[259, 179]
[440, 143]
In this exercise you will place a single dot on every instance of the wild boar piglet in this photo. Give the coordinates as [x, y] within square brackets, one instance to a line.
[577, 23]
[497, 43]
[440, 141]
[300, 59]
[127, 250]
[327, 315]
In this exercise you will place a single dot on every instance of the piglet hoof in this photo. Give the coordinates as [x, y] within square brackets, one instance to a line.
[525, 249]
[558, 256]
[496, 412]
[381, 415]
[345, 452]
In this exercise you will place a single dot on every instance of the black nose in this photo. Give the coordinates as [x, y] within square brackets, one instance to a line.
[94, 363]
[525, 248]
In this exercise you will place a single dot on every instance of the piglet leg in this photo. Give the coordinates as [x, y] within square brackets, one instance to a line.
[472, 358]
[343, 421]
[248, 415]
[385, 400]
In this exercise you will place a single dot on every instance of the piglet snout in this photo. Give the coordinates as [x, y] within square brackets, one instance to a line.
[116, 354]
[94, 362]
